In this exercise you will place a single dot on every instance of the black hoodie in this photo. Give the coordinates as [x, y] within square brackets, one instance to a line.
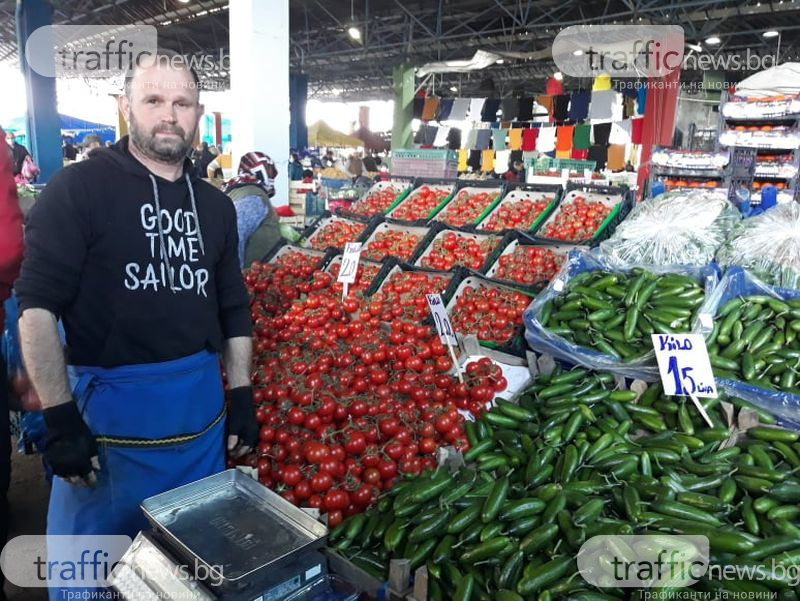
[131, 288]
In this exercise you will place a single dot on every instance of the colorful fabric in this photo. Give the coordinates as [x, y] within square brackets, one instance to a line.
[525, 112]
[499, 138]
[616, 157]
[429, 108]
[602, 104]
[475, 109]
[250, 212]
[600, 133]
[580, 155]
[483, 138]
[581, 137]
[515, 139]
[463, 155]
[564, 135]
[489, 111]
[501, 161]
[579, 105]
[637, 126]
[255, 168]
[546, 142]
[529, 136]
[445, 106]
[561, 107]
[459, 110]
[599, 154]
[510, 108]
[487, 161]
[563, 154]
[547, 103]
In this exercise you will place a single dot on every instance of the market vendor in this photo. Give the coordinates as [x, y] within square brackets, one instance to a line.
[256, 219]
[139, 259]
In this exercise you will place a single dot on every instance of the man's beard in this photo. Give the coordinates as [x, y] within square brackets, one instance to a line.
[166, 150]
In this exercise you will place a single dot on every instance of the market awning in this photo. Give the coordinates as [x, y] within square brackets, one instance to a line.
[322, 134]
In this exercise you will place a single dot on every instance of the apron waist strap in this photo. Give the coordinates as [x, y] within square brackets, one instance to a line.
[160, 442]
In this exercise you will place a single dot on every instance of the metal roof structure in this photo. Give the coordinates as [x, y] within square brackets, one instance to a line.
[421, 31]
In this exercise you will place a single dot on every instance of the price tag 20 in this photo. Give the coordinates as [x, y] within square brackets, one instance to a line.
[442, 321]
[349, 266]
[684, 365]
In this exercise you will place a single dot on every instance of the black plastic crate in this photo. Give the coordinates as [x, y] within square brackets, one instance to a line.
[328, 217]
[556, 190]
[438, 230]
[419, 183]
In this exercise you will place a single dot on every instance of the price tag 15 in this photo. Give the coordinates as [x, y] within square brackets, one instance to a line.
[684, 365]
[442, 321]
[349, 267]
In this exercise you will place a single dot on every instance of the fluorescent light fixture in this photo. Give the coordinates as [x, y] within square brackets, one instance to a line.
[558, 75]
[578, 53]
[695, 47]
[771, 33]
[354, 33]
[713, 40]
[184, 1]
[500, 61]
[453, 89]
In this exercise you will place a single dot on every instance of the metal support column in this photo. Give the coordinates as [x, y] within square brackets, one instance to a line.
[43, 122]
[403, 76]
[298, 95]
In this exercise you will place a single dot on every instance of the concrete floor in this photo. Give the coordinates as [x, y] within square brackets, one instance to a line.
[28, 497]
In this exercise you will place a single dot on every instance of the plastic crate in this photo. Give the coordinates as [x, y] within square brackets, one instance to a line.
[435, 183]
[424, 249]
[420, 231]
[433, 154]
[424, 163]
[326, 588]
[327, 218]
[402, 186]
[474, 187]
[523, 240]
[545, 164]
[282, 248]
[619, 199]
[517, 192]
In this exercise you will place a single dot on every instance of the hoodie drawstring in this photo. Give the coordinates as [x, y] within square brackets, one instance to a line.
[161, 241]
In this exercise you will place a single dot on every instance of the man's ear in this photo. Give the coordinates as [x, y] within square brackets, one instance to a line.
[124, 106]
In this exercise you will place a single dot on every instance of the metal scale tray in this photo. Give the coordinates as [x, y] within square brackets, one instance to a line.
[234, 526]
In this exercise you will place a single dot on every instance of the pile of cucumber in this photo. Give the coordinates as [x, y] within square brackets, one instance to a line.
[616, 313]
[756, 339]
[577, 458]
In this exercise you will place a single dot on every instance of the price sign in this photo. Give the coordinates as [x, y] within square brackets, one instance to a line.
[684, 365]
[442, 321]
[349, 267]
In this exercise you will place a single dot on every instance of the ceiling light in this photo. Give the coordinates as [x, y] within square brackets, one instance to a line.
[713, 40]
[695, 47]
[354, 33]
[500, 61]
[184, 1]
[558, 75]
[771, 33]
[453, 89]
[578, 53]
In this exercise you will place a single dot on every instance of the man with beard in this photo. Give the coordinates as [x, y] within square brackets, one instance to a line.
[139, 258]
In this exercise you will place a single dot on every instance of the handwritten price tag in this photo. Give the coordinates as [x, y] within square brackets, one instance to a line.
[349, 267]
[442, 321]
[684, 365]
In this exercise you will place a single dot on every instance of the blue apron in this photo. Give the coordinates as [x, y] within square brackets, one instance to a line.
[158, 426]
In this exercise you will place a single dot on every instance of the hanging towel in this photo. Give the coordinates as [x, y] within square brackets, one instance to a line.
[580, 139]
[501, 161]
[430, 107]
[471, 140]
[601, 133]
[546, 142]
[580, 155]
[445, 106]
[579, 106]
[419, 137]
[430, 134]
[499, 139]
[419, 104]
[636, 130]
[564, 135]
[616, 157]
[515, 139]
[475, 109]
[459, 110]
[442, 136]
[489, 111]
[474, 161]
[641, 100]
[484, 137]
[487, 161]
[529, 138]
[617, 108]
[510, 108]
[525, 112]
[547, 103]
[629, 107]
[599, 154]
[454, 138]
[561, 108]
[563, 154]
[620, 132]
[463, 155]
[602, 104]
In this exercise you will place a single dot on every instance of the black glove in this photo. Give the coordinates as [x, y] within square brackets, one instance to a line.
[70, 444]
[242, 416]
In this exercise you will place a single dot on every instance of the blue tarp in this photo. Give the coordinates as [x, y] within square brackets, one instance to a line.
[71, 127]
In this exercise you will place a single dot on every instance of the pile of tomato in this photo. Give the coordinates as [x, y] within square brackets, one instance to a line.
[376, 203]
[466, 208]
[336, 234]
[365, 273]
[402, 296]
[454, 248]
[577, 220]
[516, 215]
[420, 204]
[492, 314]
[275, 285]
[529, 265]
[394, 243]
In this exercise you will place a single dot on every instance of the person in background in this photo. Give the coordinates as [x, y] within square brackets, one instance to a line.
[355, 166]
[138, 258]
[370, 162]
[70, 152]
[295, 168]
[19, 153]
[214, 170]
[91, 144]
[256, 220]
[516, 172]
[328, 159]
[10, 259]
[202, 157]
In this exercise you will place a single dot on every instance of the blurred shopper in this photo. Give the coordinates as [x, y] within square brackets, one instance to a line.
[516, 172]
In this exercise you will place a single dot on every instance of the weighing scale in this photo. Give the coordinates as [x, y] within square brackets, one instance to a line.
[225, 537]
